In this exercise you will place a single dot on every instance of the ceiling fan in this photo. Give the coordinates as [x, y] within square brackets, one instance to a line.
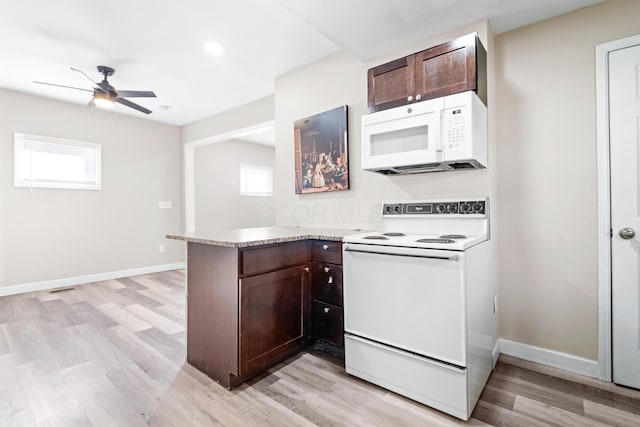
[104, 94]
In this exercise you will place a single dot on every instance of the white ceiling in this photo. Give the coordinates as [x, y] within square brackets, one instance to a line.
[158, 44]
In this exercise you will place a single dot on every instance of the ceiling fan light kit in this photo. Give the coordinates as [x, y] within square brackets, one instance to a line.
[102, 99]
[105, 95]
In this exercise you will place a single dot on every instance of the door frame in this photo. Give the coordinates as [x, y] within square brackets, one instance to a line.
[189, 166]
[604, 201]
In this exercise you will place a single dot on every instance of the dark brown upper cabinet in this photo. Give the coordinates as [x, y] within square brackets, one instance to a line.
[456, 66]
[392, 84]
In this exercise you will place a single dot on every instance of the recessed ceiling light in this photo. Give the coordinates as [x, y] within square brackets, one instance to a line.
[213, 48]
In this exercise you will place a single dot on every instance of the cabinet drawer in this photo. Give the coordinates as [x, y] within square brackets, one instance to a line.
[268, 258]
[328, 323]
[327, 283]
[425, 380]
[327, 251]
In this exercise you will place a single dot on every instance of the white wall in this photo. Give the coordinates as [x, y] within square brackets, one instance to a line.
[337, 80]
[340, 79]
[259, 111]
[49, 234]
[218, 203]
[541, 141]
[545, 82]
[541, 176]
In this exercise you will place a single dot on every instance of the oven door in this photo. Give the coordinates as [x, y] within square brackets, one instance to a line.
[402, 136]
[408, 298]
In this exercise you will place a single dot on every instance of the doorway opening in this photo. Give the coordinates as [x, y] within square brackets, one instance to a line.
[259, 134]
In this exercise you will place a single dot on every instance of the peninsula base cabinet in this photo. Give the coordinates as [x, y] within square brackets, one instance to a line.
[250, 308]
[247, 308]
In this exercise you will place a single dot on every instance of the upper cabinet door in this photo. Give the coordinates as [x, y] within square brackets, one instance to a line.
[391, 84]
[452, 67]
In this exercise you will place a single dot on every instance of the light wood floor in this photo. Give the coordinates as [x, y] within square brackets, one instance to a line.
[112, 353]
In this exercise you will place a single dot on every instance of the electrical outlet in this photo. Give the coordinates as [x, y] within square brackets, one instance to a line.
[161, 248]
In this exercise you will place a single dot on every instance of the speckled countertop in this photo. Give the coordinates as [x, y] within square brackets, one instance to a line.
[243, 237]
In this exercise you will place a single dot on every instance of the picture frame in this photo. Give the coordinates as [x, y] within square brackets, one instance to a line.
[322, 152]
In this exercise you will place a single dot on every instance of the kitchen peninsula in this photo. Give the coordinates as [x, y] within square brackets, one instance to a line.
[250, 297]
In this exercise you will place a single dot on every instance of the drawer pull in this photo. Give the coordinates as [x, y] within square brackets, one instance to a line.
[326, 269]
[326, 310]
[306, 269]
[325, 247]
[330, 280]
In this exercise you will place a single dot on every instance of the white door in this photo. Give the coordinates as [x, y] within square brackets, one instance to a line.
[624, 113]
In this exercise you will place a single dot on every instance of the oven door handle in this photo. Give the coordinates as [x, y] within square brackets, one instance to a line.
[446, 258]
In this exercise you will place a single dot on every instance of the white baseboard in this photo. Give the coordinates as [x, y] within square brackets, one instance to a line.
[90, 278]
[556, 359]
[496, 352]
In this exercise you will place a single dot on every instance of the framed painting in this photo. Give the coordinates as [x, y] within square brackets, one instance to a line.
[322, 152]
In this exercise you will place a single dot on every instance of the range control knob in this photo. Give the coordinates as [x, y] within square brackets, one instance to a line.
[452, 208]
[465, 207]
[478, 207]
[441, 208]
[398, 208]
[388, 209]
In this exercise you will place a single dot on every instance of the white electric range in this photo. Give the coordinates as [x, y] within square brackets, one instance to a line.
[418, 302]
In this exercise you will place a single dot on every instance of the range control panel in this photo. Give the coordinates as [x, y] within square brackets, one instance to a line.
[466, 207]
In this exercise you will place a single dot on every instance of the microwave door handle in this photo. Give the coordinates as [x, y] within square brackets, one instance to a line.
[438, 134]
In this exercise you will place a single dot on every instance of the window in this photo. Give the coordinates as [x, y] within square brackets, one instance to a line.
[46, 162]
[256, 181]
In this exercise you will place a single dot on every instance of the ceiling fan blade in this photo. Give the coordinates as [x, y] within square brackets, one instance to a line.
[68, 87]
[135, 94]
[132, 105]
[96, 85]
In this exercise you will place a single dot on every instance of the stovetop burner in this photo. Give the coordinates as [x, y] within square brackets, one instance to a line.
[438, 240]
[444, 225]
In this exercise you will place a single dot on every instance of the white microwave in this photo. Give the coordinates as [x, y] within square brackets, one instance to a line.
[439, 134]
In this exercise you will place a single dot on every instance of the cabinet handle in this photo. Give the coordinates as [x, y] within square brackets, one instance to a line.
[325, 247]
[326, 269]
[326, 310]
[330, 280]
[418, 97]
[410, 98]
[306, 269]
